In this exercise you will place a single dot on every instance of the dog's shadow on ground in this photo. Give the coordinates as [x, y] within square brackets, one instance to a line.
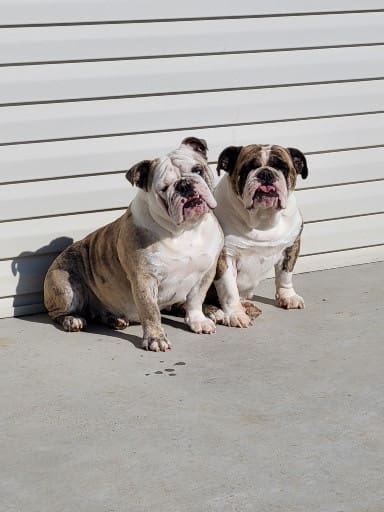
[264, 300]
[92, 328]
[102, 330]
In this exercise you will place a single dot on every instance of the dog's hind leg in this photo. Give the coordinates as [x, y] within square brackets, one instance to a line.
[65, 299]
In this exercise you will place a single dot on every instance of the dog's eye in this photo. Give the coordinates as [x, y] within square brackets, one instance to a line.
[197, 169]
[165, 188]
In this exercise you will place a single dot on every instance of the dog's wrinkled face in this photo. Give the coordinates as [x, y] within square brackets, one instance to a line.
[263, 176]
[180, 184]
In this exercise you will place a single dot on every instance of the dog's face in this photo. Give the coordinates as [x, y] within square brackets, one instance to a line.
[263, 176]
[179, 185]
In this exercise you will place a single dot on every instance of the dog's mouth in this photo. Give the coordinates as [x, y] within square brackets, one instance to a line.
[190, 204]
[266, 196]
[194, 207]
[193, 202]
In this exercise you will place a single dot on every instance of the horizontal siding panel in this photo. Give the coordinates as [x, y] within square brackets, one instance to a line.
[344, 167]
[45, 44]
[93, 118]
[113, 191]
[53, 82]
[339, 259]
[93, 156]
[26, 275]
[33, 303]
[15, 12]
[342, 234]
[49, 235]
[341, 201]
[65, 196]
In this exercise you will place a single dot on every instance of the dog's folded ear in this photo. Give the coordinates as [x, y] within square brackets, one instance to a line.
[198, 145]
[299, 162]
[227, 159]
[138, 175]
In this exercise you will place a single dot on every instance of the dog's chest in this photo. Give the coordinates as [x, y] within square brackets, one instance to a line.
[252, 266]
[183, 261]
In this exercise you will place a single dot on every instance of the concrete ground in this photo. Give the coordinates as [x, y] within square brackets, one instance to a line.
[287, 416]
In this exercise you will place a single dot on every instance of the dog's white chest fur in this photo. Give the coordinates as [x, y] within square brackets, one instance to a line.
[184, 258]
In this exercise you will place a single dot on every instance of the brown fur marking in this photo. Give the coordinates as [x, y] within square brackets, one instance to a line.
[221, 266]
[291, 254]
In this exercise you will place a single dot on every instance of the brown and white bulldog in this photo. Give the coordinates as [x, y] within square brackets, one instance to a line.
[262, 226]
[162, 251]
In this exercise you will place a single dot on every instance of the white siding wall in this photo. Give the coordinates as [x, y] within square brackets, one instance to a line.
[87, 88]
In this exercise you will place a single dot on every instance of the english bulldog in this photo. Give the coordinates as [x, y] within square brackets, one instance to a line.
[262, 225]
[162, 251]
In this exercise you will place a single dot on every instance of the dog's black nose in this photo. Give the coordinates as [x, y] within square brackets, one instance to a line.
[184, 187]
[266, 177]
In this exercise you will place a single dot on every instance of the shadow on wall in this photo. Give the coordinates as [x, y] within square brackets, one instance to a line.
[31, 268]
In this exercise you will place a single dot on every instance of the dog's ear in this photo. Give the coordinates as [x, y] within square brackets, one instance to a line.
[138, 175]
[299, 162]
[227, 159]
[198, 145]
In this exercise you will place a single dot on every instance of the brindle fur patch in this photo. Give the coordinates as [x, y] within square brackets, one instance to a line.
[221, 266]
[291, 254]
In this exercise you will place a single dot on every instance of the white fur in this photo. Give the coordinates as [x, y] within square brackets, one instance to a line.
[254, 243]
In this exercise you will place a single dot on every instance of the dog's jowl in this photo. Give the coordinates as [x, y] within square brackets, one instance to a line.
[262, 226]
[162, 251]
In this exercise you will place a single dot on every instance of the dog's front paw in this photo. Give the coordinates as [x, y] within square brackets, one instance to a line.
[156, 343]
[200, 324]
[288, 299]
[235, 319]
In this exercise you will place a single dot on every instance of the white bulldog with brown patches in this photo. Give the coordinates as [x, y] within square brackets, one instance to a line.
[162, 251]
[262, 225]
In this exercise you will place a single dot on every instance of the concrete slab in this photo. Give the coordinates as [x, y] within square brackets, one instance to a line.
[285, 416]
